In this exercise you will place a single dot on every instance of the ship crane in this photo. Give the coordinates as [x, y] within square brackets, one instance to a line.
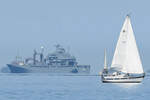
[40, 54]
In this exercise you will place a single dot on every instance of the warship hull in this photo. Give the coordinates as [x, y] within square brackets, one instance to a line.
[48, 69]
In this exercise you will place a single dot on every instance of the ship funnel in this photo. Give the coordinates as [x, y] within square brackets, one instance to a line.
[41, 54]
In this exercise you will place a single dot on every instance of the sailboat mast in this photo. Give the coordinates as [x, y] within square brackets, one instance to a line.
[105, 59]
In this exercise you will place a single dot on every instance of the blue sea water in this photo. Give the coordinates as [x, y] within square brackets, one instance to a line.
[52, 87]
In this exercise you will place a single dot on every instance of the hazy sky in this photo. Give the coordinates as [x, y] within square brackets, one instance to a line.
[86, 26]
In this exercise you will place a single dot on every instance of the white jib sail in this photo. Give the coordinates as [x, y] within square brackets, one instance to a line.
[126, 55]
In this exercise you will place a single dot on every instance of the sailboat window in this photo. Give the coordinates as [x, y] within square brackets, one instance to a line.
[123, 41]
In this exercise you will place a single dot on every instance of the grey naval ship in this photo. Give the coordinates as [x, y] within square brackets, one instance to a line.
[58, 61]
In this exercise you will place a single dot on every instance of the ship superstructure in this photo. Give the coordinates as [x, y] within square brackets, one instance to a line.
[58, 61]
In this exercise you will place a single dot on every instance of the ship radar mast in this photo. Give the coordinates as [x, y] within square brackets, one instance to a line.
[42, 49]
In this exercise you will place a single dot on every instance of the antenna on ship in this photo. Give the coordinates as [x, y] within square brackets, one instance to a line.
[34, 57]
[17, 56]
[42, 49]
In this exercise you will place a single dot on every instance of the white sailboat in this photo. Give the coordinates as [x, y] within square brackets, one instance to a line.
[126, 65]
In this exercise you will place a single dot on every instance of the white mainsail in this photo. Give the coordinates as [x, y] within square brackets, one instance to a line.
[126, 55]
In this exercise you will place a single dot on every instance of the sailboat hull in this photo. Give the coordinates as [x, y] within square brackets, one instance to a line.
[123, 80]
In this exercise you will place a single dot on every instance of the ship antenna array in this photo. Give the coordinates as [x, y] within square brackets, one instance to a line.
[42, 49]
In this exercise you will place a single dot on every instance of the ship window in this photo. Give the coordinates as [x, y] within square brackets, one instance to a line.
[71, 63]
[63, 63]
[51, 58]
